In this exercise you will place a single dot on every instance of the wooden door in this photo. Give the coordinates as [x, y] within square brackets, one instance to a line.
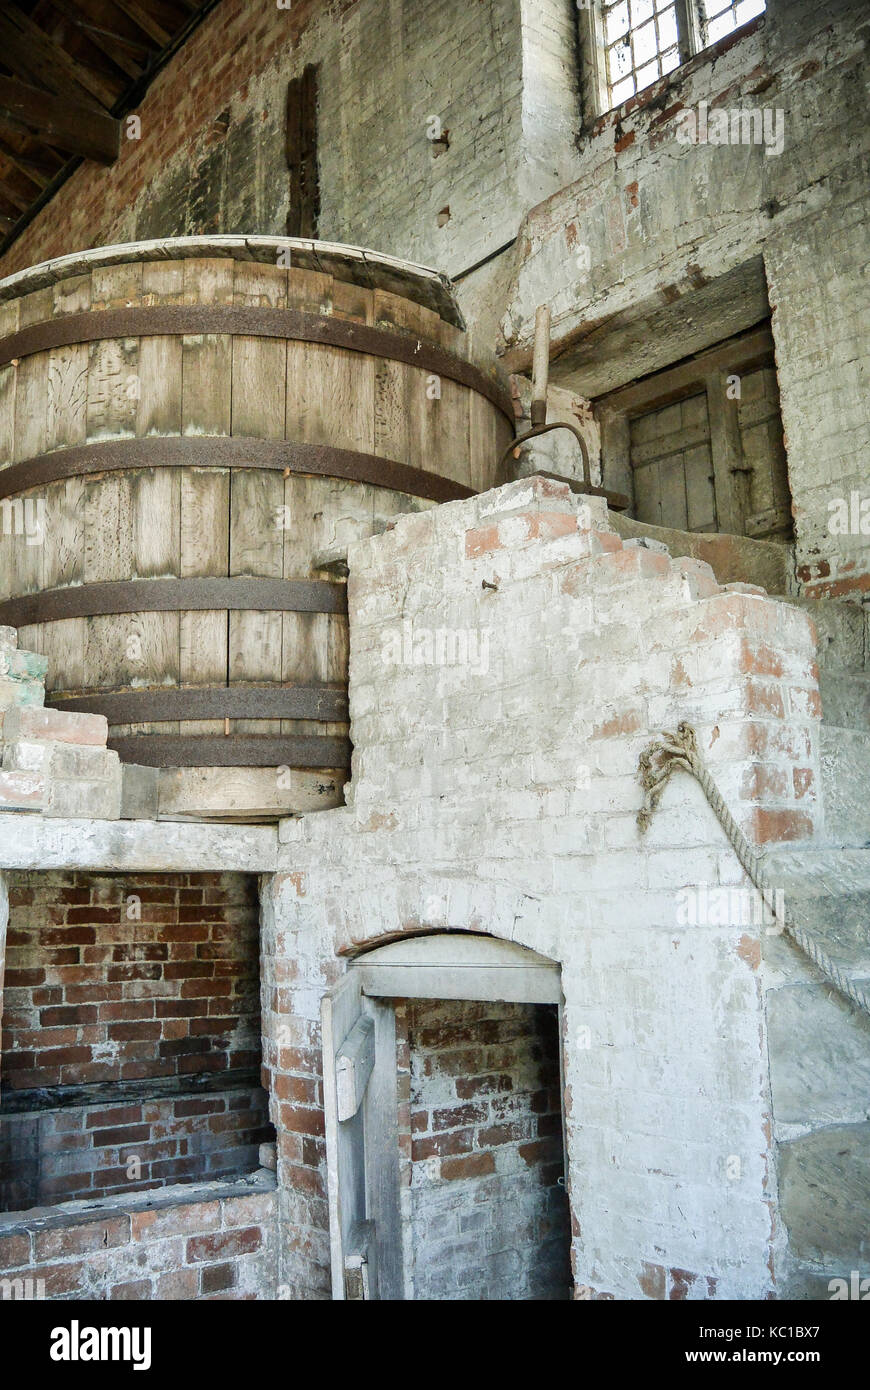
[360, 1105]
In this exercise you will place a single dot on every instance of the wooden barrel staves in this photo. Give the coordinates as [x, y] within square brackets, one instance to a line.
[191, 432]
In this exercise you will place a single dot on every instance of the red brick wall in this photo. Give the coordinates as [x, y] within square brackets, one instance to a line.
[223, 56]
[218, 1245]
[485, 1215]
[95, 995]
[126, 997]
[102, 1150]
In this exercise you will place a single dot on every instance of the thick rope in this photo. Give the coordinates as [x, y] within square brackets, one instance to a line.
[658, 763]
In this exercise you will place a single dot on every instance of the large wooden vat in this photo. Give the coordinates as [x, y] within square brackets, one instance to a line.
[201, 428]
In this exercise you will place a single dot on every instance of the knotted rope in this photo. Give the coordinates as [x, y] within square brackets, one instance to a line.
[658, 762]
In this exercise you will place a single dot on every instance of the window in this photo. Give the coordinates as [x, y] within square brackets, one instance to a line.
[635, 42]
[642, 43]
[721, 17]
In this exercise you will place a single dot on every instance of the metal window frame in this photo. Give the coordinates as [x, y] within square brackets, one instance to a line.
[596, 83]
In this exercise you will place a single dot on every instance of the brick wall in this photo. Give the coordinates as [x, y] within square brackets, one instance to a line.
[501, 796]
[112, 978]
[102, 1150]
[125, 998]
[211, 157]
[213, 1242]
[485, 1215]
[702, 226]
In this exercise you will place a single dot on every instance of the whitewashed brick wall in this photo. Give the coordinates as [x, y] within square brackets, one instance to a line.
[502, 797]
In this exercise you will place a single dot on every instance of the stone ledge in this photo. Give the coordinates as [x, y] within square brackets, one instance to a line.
[81, 1212]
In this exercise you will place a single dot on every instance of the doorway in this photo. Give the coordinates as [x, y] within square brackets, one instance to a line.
[704, 441]
[444, 1127]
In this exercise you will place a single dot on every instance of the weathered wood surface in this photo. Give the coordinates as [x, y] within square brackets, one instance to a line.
[186, 522]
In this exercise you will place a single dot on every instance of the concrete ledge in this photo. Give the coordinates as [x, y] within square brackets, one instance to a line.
[32, 842]
[181, 1194]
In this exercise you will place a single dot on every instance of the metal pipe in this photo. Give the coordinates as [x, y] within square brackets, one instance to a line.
[540, 365]
[545, 429]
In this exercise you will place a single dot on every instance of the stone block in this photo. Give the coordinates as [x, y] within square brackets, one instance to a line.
[22, 791]
[97, 800]
[57, 726]
[824, 1182]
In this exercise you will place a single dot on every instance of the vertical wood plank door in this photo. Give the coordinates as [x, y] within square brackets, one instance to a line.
[231, 411]
[673, 466]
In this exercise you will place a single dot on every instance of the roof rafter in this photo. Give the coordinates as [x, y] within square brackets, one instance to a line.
[32, 54]
[69, 125]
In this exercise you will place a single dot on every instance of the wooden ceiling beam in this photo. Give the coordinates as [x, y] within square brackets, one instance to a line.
[18, 200]
[38, 171]
[129, 55]
[69, 125]
[32, 54]
[144, 21]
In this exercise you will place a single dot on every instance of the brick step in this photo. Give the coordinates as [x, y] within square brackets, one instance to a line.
[22, 791]
[827, 891]
[845, 699]
[21, 665]
[845, 762]
[54, 726]
[21, 692]
[841, 629]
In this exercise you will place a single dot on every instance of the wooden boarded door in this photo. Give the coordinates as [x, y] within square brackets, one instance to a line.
[360, 1106]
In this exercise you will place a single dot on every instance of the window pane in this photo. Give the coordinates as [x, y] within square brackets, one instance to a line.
[617, 21]
[620, 61]
[622, 91]
[670, 60]
[667, 29]
[717, 28]
[641, 11]
[721, 17]
[645, 46]
[647, 74]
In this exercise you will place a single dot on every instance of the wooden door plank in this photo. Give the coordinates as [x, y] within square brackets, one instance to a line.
[726, 447]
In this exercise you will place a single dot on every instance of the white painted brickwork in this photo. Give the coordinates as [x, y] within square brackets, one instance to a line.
[504, 801]
[703, 226]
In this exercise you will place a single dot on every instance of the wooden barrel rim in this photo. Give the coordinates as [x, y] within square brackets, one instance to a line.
[316, 702]
[174, 595]
[227, 451]
[242, 321]
[354, 265]
[234, 750]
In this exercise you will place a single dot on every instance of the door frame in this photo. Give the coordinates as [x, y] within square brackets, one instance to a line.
[360, 1070]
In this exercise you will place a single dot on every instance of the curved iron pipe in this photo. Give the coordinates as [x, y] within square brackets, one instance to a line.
[544, 429]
